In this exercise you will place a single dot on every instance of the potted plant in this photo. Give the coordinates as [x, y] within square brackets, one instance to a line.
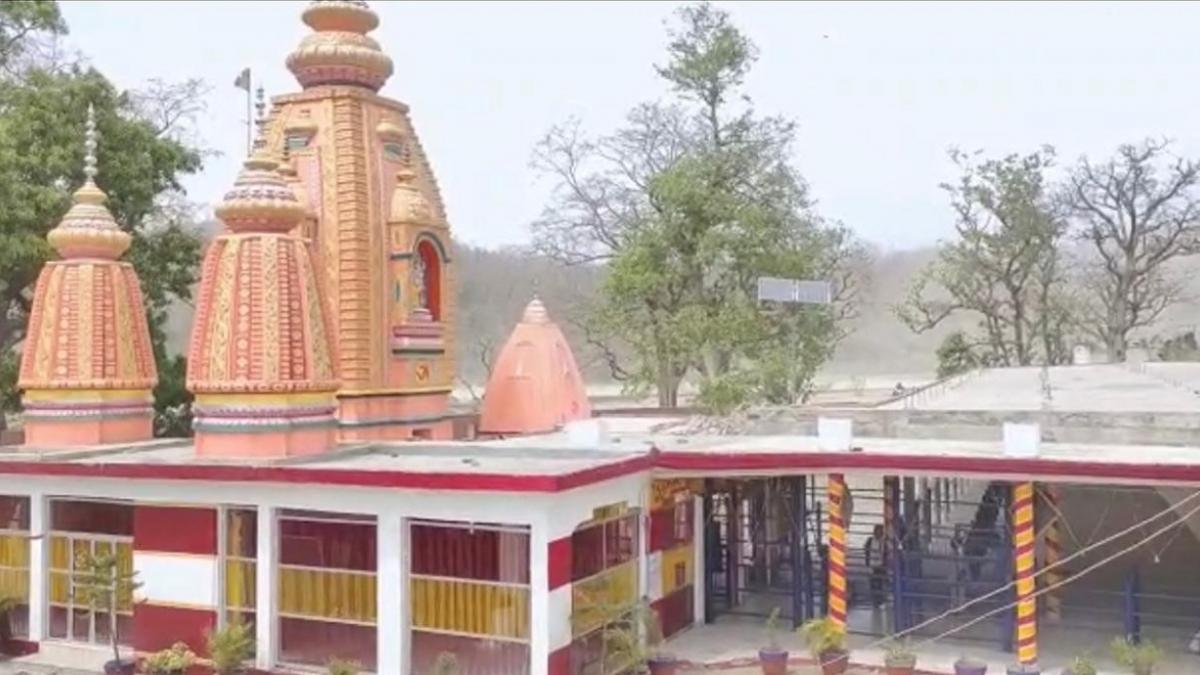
[101, 583]
[343, 667]
[827, 643]
[639, 649]
[172, 661]
[969, 666]
[230, 647]
[899, 658]
[771, 658]
[7, 604]
[1139, 657]
[1081, 665]
[445, 664]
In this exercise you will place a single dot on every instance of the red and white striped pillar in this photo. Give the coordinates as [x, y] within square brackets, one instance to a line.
[175, 557]
[1023, 556]
[837, 548]
[558, 577]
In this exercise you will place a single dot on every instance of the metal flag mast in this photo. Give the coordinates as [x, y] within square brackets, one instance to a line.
[243, 82]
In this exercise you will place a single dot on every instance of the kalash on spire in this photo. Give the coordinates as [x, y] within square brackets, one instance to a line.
[351, 156]
[261, 359]
[87, 368]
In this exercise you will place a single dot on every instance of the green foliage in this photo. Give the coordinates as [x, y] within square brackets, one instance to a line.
[41, 162]
[772, 625]
[1180, 348]
[10, 398]
[1003, 268]
[823, 636]
[956, 355]
[1081, 665]
[689, 205]
[175, 659]
[1139, 657]
[899, 653]
[23, 24]
[230, 646]
[101, 583]
[343, 667]
[633, 637]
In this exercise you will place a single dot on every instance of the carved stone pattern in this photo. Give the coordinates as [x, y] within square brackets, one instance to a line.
[354, 245]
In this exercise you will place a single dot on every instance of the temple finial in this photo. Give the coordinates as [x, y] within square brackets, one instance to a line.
[89, 145]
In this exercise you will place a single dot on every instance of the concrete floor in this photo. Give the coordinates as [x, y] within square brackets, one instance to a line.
[737, 640]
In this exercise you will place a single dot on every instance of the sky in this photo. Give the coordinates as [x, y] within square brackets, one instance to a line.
[880, 91]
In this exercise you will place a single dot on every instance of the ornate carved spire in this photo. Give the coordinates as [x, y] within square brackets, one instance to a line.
[87, 367]
[261, 359]
[88, 229]
[339, 52]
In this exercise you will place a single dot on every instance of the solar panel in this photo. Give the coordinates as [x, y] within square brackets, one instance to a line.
[795, 291]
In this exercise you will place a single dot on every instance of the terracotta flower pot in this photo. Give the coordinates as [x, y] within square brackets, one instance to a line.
[969, 667]
[834, 661]
[663, 665]
[773, 661]
[906, 668]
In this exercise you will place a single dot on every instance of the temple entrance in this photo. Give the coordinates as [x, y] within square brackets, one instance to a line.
[762, 538]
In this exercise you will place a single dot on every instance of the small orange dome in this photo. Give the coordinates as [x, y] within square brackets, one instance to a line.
[535, 386]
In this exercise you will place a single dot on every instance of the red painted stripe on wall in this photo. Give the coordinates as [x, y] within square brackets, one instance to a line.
[175, 529]
[559, 560]
[675, 611]
[158, 627]
[560, 661]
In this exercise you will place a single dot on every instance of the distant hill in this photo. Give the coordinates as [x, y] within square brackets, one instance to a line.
[494, 285]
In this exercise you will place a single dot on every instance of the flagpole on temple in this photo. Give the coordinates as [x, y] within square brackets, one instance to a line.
[243, 82]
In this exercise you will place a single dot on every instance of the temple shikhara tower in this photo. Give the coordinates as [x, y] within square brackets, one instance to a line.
[87, 367]
[378, 228]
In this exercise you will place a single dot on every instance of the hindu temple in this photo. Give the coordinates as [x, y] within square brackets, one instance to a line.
[333, 500]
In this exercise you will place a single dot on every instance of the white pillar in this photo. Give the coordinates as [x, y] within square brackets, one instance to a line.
[539, 599]
[698, 549]
[39, 544]
[266, 624]
[389, 624]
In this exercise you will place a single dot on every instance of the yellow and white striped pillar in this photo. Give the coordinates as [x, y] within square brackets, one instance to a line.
[1052, 550]
[837, 548]
[1023, 556]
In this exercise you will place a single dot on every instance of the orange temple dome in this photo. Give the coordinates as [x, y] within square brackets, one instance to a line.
[535, 386]
[87, 368]
[261, 359]
[339, 52]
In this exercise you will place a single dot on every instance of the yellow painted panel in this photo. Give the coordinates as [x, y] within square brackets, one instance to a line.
[672, 561]
[60, 588]
[608, 594]
[327, 594]
[14, 550]
[60, 553]
[472, 608]
[14, 583]
[239, 584]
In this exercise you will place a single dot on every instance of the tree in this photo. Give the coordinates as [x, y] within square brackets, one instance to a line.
[24, 25]
[41, 161]
[688, 205]
[1004, 267]
[956, 355]
[1139, 211]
